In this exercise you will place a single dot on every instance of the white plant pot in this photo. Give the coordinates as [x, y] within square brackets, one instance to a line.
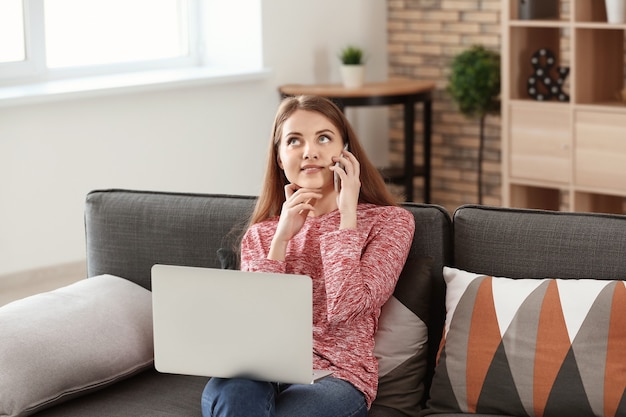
[352, 76]
[615, 11]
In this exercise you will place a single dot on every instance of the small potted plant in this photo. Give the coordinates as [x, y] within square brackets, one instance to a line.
[352, 66]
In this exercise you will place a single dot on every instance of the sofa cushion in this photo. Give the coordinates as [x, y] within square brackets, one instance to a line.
[149, 393]
[128, 231]
[545, 347]
[79, 338]
[401, 340]
[524, 243]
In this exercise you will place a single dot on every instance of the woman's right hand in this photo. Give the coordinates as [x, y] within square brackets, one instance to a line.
[298, 203]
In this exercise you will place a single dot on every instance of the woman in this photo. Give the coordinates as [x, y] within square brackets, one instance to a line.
[352, 240]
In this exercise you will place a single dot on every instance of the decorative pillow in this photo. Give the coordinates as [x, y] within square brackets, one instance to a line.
[401, 341]
[61, 344]
[531, 347]
[228, 258]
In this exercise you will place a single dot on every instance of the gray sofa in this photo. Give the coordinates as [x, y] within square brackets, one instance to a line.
[129, 231]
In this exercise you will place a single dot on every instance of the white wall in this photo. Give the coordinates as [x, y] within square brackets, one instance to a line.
[209, 139]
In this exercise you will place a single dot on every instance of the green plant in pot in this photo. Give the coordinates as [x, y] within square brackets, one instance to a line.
[351, 55]
[474, 85]
[352, 66]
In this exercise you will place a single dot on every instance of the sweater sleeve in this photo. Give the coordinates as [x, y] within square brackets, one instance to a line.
[254, 250]
[362, 265]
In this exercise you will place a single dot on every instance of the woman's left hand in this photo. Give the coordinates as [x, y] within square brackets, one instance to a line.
[348, 196]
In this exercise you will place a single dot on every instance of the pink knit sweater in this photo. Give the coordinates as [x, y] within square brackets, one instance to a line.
[354, 271]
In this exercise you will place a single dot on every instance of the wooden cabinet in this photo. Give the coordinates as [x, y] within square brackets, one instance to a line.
[600, 151]
[540, 143]
[563, 120]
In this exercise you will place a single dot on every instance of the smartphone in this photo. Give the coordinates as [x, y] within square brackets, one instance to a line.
[336, 177]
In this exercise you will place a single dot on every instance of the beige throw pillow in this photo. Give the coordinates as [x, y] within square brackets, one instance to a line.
[61, 344]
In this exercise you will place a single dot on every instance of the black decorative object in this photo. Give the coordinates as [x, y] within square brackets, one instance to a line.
[541, 85]
[538, 9]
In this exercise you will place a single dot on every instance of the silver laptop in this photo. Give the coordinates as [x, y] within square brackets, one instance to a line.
[225, 323]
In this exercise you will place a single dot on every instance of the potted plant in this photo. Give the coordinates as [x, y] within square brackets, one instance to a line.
[474, 84]
[352, 66]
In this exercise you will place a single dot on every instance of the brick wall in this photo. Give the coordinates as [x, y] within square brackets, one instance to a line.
[423, 38]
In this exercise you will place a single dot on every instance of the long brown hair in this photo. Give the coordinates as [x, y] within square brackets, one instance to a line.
[272, 196]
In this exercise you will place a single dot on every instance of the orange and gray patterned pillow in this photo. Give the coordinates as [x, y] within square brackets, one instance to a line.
[531, 347]
[401, 342]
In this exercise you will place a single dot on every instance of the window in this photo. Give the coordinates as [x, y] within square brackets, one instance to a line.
[48, 39]
[115, 31]
[12, 45]
[57, 49]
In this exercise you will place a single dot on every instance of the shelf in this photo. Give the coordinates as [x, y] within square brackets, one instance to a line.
[606, 106]
[567, 153]
[539, 23]
[544, 183]
[600, 70]
[599, 26]
[544, 198]
[529, 102]
[527, 42]
[599, 203]
[542, 10]
[589, 11]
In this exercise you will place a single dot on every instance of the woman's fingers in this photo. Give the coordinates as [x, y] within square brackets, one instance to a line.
[301, 198]
[351, 168]
[350, 164]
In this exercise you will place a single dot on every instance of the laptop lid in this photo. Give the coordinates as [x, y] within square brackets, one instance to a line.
[226, 323]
